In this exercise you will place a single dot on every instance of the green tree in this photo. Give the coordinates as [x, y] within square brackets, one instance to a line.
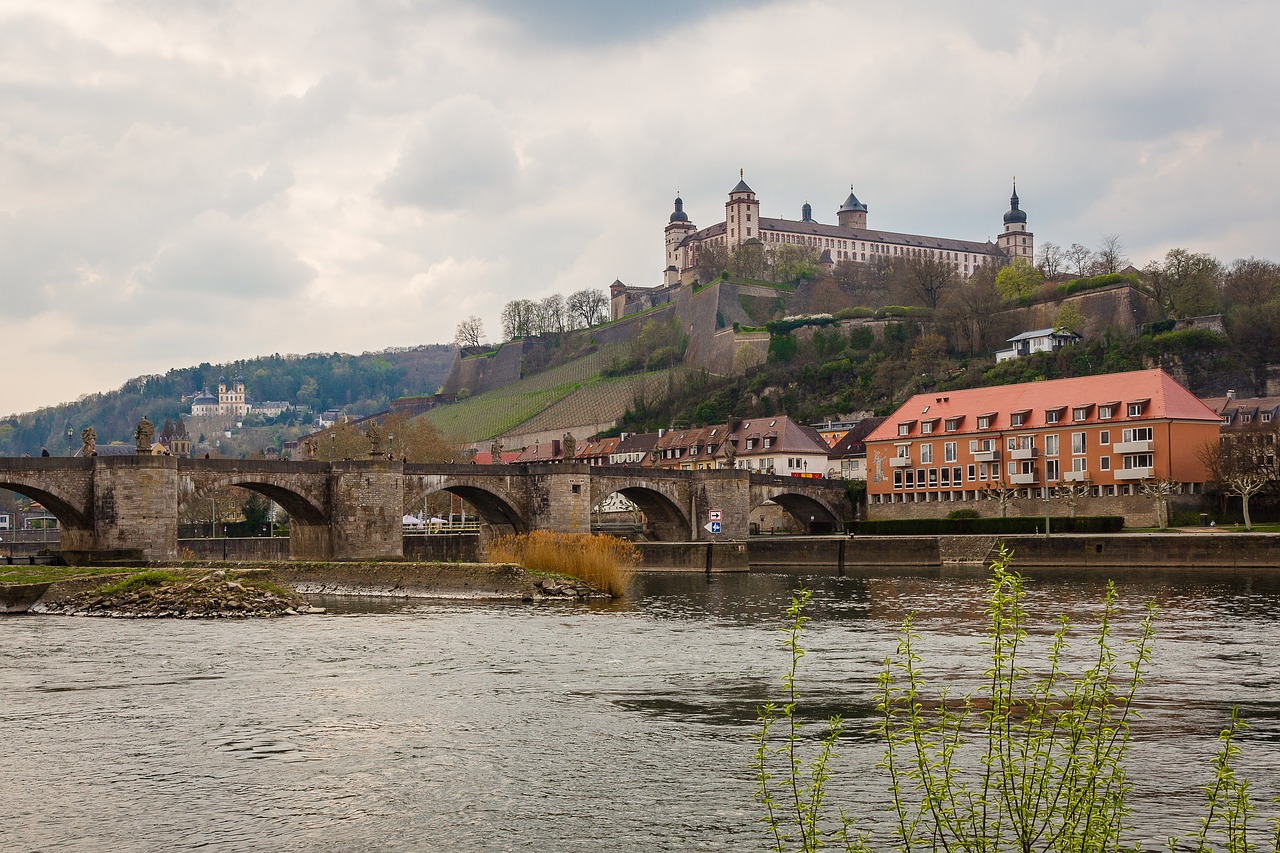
[1185, 284]
[1018, 280]
[1069, 319]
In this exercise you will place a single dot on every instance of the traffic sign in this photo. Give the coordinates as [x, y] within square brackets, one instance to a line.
[712, 526]
[715, 515]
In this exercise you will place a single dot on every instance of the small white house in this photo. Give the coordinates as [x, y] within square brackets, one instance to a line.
[1039, 340]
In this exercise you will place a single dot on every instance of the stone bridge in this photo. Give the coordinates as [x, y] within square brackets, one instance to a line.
[127, 508]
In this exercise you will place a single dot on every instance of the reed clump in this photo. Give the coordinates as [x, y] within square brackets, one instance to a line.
[606, 562]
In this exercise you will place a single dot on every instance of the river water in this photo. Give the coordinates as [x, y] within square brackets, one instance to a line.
[458, 726]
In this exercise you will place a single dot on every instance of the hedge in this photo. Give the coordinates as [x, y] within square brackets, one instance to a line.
[989, 526]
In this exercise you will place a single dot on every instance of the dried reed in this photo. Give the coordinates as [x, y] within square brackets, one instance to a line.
[606, 562]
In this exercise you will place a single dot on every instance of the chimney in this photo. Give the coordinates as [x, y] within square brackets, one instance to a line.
[661, 432]
[1231, 393]
[555, 448]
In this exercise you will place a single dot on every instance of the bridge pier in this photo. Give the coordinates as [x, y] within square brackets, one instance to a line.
[367, 500]
[135, 513]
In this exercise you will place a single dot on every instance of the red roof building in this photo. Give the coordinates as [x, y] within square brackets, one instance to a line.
[1108, 433]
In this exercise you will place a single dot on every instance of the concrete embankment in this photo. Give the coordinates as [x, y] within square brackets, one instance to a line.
[412, 580]
[1219, 551]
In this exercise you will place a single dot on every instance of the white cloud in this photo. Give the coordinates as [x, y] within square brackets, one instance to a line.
[353, 176]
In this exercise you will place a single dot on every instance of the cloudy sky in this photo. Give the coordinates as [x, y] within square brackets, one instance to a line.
[184, 182]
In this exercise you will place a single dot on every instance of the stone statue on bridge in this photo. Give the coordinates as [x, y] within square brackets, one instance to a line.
[569, 445]
[90, 439]
[495, 452]
[143, 435]
[375, 439]
[309, 448]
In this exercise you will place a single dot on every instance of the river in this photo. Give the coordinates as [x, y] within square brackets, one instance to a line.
[459, 726]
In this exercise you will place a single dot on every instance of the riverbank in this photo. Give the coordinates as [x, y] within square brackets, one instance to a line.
[210, 589]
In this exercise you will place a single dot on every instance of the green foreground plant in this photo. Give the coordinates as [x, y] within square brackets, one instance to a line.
[1034, 761]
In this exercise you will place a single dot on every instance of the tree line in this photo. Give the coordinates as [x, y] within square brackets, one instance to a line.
[553, 315]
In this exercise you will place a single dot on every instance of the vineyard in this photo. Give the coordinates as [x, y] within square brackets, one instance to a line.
[567, 396]
[494, 412]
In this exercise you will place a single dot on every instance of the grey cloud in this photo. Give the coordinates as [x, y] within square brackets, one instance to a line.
[589, 22]
[222, 259]
[463, 155]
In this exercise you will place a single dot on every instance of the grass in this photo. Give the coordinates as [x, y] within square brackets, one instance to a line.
[50, 574]
[606, 562]
[141, 580]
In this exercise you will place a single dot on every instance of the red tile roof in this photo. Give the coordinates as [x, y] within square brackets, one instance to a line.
[1163, 396]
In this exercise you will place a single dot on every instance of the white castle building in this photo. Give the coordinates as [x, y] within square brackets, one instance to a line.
[849, 240]
[231, 400]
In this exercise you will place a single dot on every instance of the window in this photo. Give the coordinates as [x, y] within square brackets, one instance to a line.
[1079, 443]
[1105, 413]
[1051, 469]
[1138, 460]
[953, 424]
[945, 475]
[897, 479]
[1137, 434]
[1080, 465]
[1051, 416]
[949, 452]
[972, 474]
[984, 421]
[926, 454]
[926, 427]
[955, 475]
[904, 451]
[1105, 464]
[1013, 468]
[933, 478]
[1266, 417]
[920, 477]
[1080, 413]
[904, 429]
[1011, 443]
[1104, 437]
[1051, 445]
[982, 472]
[1018, 418]
[1135, 409]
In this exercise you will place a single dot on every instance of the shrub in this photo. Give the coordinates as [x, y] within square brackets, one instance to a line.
[963, 513]
[606, 562]
[1035, 761]
[854, 313]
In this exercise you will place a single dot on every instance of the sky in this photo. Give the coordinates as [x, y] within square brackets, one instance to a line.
[188, 182]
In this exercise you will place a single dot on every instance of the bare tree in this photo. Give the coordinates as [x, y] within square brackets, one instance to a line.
[1078, 259]
[519, 318]
[554, 315]
[1049, 259]
[1002, 493]
[1072, 493]
[710, 260]
[1159, 490]
[1242, 463]
[1110, 257]
[971, 309]
[1185, 284]
[589, 305]
[470, 332]
[926, 279]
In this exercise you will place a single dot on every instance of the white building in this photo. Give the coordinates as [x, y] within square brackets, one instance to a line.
[1039, 340]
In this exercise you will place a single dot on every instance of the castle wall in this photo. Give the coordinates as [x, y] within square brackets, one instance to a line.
[1120, 307]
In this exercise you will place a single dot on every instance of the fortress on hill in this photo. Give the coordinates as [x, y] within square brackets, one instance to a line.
[850, 240]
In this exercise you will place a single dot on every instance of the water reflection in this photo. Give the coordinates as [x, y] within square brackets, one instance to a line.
[601, 726]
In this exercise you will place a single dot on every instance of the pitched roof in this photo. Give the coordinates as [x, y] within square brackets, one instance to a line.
[1162, 397]
[853, 442]
[842, 232]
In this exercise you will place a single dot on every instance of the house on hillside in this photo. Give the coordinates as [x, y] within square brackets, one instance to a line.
[1105, 435]
[848, 456]
[1039, 340]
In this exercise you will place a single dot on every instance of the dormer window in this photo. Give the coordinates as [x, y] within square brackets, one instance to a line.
[1266, 417]
[1136, 408]
[926, 427]
[1018, 418]
[904, 429]
[953, 424]
[984, 421]
[1051, 416]
[1107, 412]
[1080, 413]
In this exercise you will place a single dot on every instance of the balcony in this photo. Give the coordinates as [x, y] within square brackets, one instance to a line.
[1023, 453]
[986, 456]
[900, 462]
[1027, 479]
[1075, 476]
[1131, 447]
[1133, 473]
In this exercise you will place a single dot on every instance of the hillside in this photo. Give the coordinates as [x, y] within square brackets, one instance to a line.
[361, 384]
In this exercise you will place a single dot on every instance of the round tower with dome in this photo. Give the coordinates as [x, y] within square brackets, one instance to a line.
[1016, 240]
[678, 227]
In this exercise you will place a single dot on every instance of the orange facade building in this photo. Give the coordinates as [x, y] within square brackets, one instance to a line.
[1107, 433]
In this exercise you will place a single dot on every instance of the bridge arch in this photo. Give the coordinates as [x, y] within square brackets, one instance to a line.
[666, 520]
[495, 509]
[814, 515]
[303, 497]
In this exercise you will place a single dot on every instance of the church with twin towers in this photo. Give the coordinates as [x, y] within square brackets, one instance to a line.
[849, 240]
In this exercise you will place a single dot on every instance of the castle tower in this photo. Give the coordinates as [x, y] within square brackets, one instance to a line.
[1016, 240]
[678, 227]
[741, 215]
[853, 213]
[806, 212]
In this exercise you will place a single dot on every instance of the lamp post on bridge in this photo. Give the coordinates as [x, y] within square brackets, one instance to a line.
[70, 433]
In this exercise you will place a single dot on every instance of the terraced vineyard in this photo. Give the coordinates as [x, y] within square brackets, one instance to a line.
[492, 413]
[601, 401]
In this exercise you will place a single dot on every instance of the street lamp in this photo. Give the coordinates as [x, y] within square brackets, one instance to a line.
[69, 434]
[1045, 491]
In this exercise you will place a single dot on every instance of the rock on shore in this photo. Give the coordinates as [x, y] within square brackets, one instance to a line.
[216, 594]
